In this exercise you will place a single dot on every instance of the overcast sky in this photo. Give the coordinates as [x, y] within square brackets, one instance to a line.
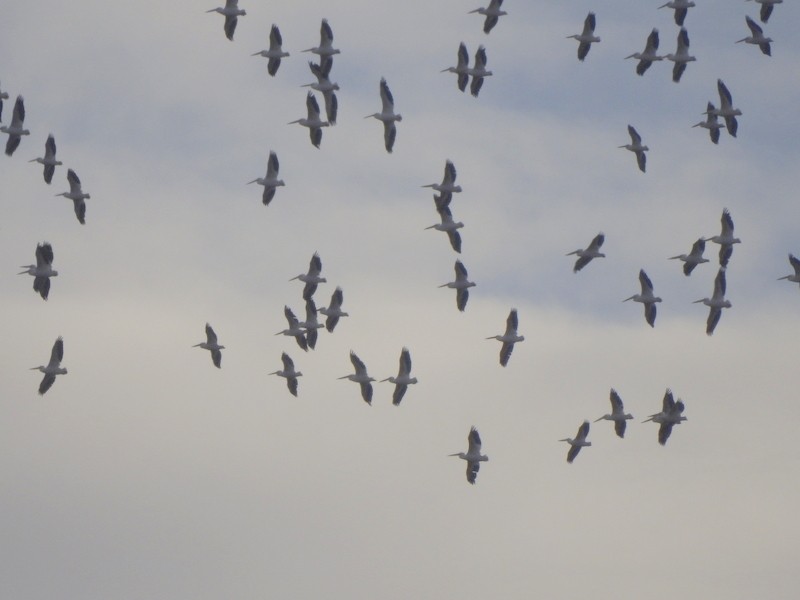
[145, 472]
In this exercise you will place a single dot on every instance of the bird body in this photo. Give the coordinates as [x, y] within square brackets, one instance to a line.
[275, 52]
[232, 12]
[49, 160]
[617, 414]
[52, 368]
[270, 181]
[313, 121]
[473, 455]
[360, 377]
[694, 258]
[586, 37]
[403, 379]
[716, 303]
[212, 345]
[578, 442]
[492, 13]
[43, 270]
[387, 116]
[586, 256]
[509, 338]
[647, 298]
[15, 130]
[77, 195]
[461, 285]
[637, 148]
[289, 373]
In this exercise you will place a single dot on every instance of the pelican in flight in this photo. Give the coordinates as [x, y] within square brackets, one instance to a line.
[671, 414]
[3, 96]
[649, 55]
[478, 71]
[757, 37]
[360, 377]
[312, 277]
[448, 224]
[681, 8]
[49, 161]
[310, 324]
[509, 338]
[579, 442]
[52, 368]
[716, 303]
[766, 8]
[275, 52]
[586, 37]
[694, 258]
[462, 67]
[681, 56]
[637, 148]
[473, 455]
[447, 187]
[793, 260]
[585, 256]
[387, 116]
[325, 86]
[334, 310]
[726, 109]
[647, 298]
[461, 285]
[403, 379]
[232, 13]
[711, 123]
[15, 131]
[212, 345]
[325, 48]
[492, 13]
[77, 196]
[43, 270]
[289, 373]
[618, 414]
[313, 122]
[725, 239]
[270, 181]
[295, 330]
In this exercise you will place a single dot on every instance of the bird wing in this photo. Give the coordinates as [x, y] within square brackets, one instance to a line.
[720, 284]
[512, 322]
[650, 313]
[455, 240]
[461, 299]
[275, 38]
[80, 210]
[291, 383]
[461, 271]
[619, 427]
[573, 452]
[315, 265]
[216, 357]
[474, 439]
[366, 392]
[399, 392]
[724, 95]
[480, 58]
[589, 24]
[211, 337]
[713, 318]
[598, 240]
[727, 223]
[663, 432]
[616, 402]
[389, 135]
[44, 254]
[230, 26]
[56, 354]
[505, 352]
[641, 160]
[74, 182]
[42, 286]
[50, 147]
[683, 41]
[46, 383]
[290, 317]
[288, 363]
[476, 85]
[387, 101]
[698, 248]
[668, 402]
[583, 431]
[325, 33]
[18, 115]
[754, 28]
[795, 262]
[644, 280]
[449, 173]
[635, 137]
[405, 362]
[312, 106]
[358, 364]
[463, 57]
[652, 42]
[272, 165]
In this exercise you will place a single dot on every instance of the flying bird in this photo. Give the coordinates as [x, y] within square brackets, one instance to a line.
[275, 52]
[325, 48]
[478, 72]
[232, 13]
[270, 181]
[637, 148]
[462, 67]
[649, 55]
[766, 8]
[795, 262]
[313, 122]
[326, 87]
[212, 345]
[295, 330]
[387, 116]
[49, 161]
[52, 368]
[473, 455]
[671, 414]
[289, 373]
[312, 277]
[757, 37]
[360, 377]
[77, 196]
[586, 37]
[618, 414]
[716, 303]
[725, 239]
[681, 56]
[403, 379]
[461, 285]
[448, 187]
[579, 442]
[43, 270]
[711, 123]
[334, 310]
[726, 109]
[647, 298]
[681, 8]
[585, 256]
[509, 338]
[694, 258]
[310, 324]
[492, 13]
[15, 131]
[448, 225]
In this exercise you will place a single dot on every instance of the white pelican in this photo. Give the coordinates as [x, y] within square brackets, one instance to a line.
[647, 298]
[766, 8]
[637, 148]
[312, 278]
[478, 71]
[15, 131]
[585, 256]
[270, 181]
[212, 345]
[3, 96]
[461, 285]
[586, 37]
[52, 368]
[726, 109]
[509, 338]
[671, 414]
[681, 56]
[447, 187]
[334, 310]
[360, 377]
[232, 13]
[725, 239]
[43, 270]
[577, 443]
[295, 330]
[387, 116]
[694, 258]
[325, 48]
[403, 379]
[649, 55]
[448, 225]
[681, 8]
[473, 455]
[325, 86]
[757, 37]
[462, 67]
[310, 324]
[275, 52]
[49, 161]
[794, 261]
[77, 196]
[618, 414]
[711, 123]
[313, 122]
[289, 373]
[716, 303]
[492, 13]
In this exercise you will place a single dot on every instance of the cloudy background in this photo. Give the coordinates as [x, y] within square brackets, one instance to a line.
[147, 473]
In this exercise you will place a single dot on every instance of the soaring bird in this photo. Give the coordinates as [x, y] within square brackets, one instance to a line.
[461, 285]
[312, 277]
[671, 414]
[52, 368]
[711, 123]
[387, 116]
[326, 87]
[462, 67]
[585, 256]
[43, 270]
[647, 298]
[473, 455]
[403, 379]
[757, 37]
[448, 224]
[360, 377]
[334, 310]
[726, 109]
[310, 324]
[649, 55]
[766, 8]
[795, 262]
[478, 71]
[716, 303]
[509, 338]
[681, 8]
[212, 345]
[725, 239]
[275, 52]
[49, 161]
[586, 37]
[289, 373]
[579, 442]
[492, 13]
[694, 258]
[270, 181]
[15, 131]
[295, 330]
[325, 48]
[681, 56]
[448, 186]
[232, 13]
[637, 148]
[618, 414]
[77, 196]
[313, 122]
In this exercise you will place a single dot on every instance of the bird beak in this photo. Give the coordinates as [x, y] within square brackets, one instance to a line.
[249, 182]
[626, 299]
[696, 301]
[600, 419]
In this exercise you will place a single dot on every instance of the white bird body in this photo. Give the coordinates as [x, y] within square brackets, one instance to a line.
[586, 255]
[795, 262]
[77, 195]
[578, 442]
[757, 37]
[361, 377]
[43, 270]
[387, 116]
[671, 414]
[334, 311]
[681, 8]
[711, 123]
[586, 37]
[462, 67]
[270, 181]
[681, 56]
[617, 414]
[289, 373]
[649, 55]
[726, 109]
[52, 368]
[232, 12]
[313, 121]
[294, 330]
[694, 258]
[716, 303]
[461, 285]
[509, 338]
[725, 239]
[213, 346]
[15, 130]
[49, 160]
[325, 48]
[473, 455]
[647, 298]
[312, 277]
[275, 52]
[403, 379]
[637, 148]
[492, 13]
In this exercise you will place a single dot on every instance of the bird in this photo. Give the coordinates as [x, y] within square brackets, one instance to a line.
[671, 414]
[681, 8]
[637, 148]
[618, 414]
[478, 71]
[461, 285]
[448, 186]
[387, 116]
[403, 379]
[766, 8]
[757, 37]
[509, 338]
[585, 256]
[716, 303]
[212, 345]
[492, 14]
[77, 196]
[3, 96]
[312, 277]
[647, 298]
[681, 56]
[334, 310]
[795, 262]
[15, 131]
[448, 225]
[313, 122]
[725, 239]
[295, 330]
[325, 48]
[579, 441]
[53, 367]
[473, 455]
[270, 181]
[649, 55]
[360, 377]
[586, 37]
[232, 13]
[694, 258]
[289, 373]
[711, 123]
[43, 270]
[49, 161]
[726, 109]
[325, 86]
[310, 324]
[275, 52]
[462, 67]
